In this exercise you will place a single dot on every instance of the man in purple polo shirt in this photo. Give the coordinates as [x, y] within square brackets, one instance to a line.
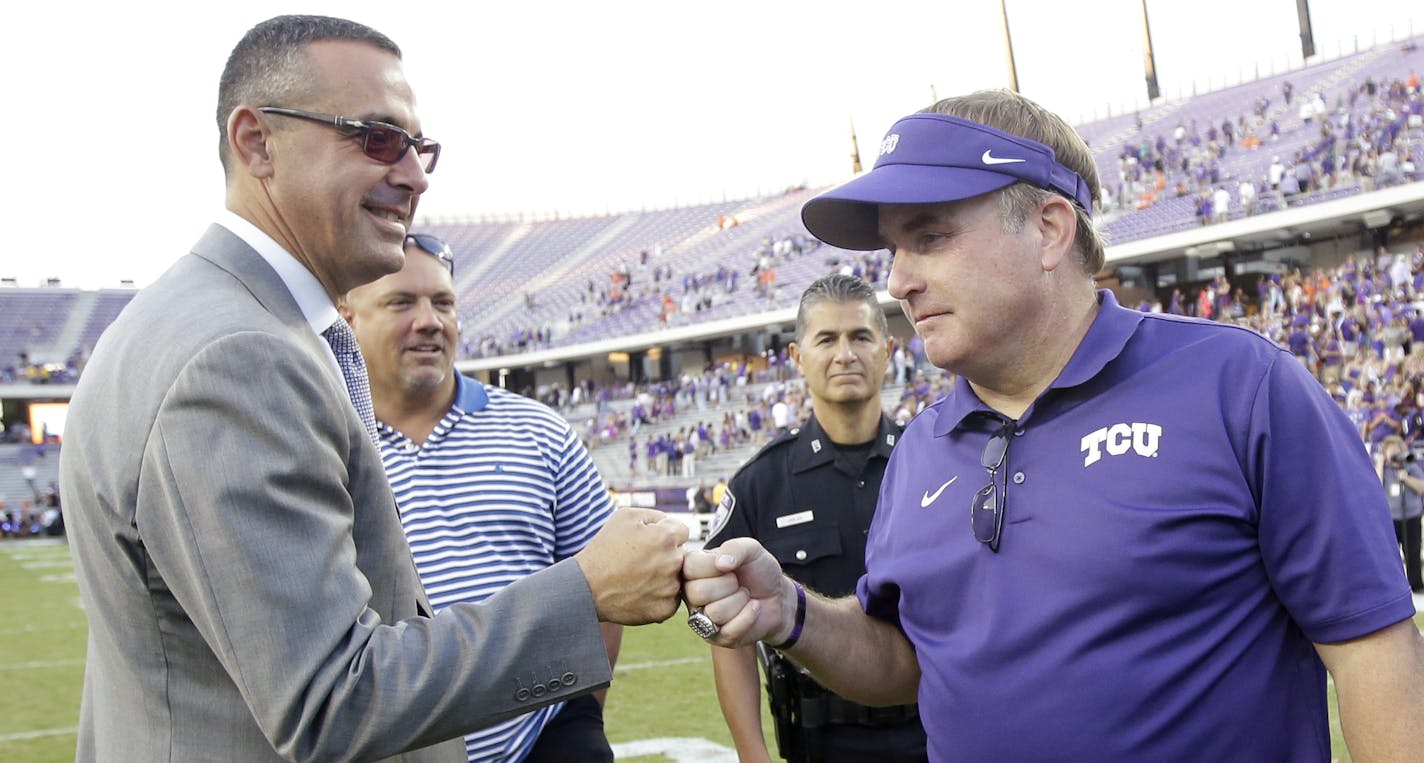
[1122, 536]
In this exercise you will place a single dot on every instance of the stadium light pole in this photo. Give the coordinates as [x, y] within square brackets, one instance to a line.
[1149, 60]
[854, 150]
[1009, 46]
[1307, 37]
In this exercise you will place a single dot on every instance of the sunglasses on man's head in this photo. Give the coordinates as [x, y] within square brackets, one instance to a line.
[434, 247]
[383, 142]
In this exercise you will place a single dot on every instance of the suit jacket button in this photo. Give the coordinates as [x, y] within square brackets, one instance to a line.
[538, 690]
[801, 555]
[522, 695]
[569, 679]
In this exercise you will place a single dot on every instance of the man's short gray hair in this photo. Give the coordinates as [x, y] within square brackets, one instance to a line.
[268, 66]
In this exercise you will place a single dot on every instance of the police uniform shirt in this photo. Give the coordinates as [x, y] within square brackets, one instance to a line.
[809, 504]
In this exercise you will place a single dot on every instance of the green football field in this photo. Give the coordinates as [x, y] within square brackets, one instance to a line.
[662, 706]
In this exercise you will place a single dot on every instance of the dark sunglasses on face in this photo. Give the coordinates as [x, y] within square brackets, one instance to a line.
[383, 142]
[434, 247]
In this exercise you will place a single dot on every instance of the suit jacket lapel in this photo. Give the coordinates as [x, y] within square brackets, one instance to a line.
[227, 251]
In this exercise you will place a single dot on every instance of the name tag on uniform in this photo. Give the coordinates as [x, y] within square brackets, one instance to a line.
[799, 518]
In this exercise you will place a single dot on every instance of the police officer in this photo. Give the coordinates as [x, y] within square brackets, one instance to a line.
[808, 497]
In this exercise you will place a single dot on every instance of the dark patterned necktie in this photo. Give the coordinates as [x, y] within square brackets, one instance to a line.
[353, 368]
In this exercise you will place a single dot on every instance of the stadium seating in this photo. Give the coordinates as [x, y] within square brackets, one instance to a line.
[13, 489]
[527, 283]
[558, 276]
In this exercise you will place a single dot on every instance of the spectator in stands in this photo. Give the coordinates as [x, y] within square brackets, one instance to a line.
[29, 472]
[900, 362]
[1388, 172]
[1282, 567]
[687, 450]
[1403, 479]
[718, 489]
[699, 498]
[1275, 173]
[1247, 192]
[52, 518]
[1290, 188]
[1175, 302]
[491, 486]
[1221, 204]
[249, 589]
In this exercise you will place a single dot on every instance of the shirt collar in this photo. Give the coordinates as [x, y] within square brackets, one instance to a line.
[1106, 337]
[311, 298]
[470, 395]
[814, 448]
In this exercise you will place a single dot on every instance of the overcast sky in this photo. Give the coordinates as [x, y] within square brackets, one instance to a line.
[580, 107]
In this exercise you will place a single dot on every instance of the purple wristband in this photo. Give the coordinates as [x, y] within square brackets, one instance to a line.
[800, 621]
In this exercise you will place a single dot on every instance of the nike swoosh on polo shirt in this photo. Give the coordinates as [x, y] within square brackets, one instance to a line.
[929, 497]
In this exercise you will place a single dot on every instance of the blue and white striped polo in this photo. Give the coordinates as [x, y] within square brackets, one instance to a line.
[502, 488]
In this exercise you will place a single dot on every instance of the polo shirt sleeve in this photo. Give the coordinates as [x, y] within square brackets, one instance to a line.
[582, 503]
[1324, 528]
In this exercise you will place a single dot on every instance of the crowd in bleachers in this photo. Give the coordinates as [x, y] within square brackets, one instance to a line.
[1364, 141]
[1346, 126]
[33, 518]
[1358, 327]
[727, 413]
[30, 481]
[26, 370]
[669, 428]
[680, 297]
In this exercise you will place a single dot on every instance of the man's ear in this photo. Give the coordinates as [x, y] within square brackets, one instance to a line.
[247, 137]
[1058, 228]
[344, 308]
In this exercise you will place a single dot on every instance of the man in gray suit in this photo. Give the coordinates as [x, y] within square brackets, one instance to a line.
[249, 589]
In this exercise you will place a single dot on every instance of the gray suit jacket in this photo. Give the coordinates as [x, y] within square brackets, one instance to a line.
[249, 590]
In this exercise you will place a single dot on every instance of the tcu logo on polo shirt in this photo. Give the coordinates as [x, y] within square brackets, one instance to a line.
[1117, 439]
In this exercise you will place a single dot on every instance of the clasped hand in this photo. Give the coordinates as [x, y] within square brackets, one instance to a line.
[638, 573]
[740, 587]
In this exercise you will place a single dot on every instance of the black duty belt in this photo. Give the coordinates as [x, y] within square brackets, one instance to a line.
[844, 712]
[820, 706]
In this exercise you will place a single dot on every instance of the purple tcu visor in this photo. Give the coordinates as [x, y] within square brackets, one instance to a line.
[934, 158]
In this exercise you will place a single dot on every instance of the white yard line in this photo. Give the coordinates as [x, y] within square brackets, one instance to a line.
[680, 749]
[45, 562]
[660, 663]
[18, 736]
[31, 629]
[39, 664]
